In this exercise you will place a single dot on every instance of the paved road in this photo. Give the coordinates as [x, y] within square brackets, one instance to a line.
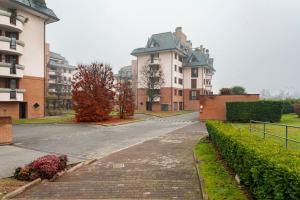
[81, 142]
[160, 168]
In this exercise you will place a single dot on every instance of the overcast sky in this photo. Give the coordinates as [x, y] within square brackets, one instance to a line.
[255, 43]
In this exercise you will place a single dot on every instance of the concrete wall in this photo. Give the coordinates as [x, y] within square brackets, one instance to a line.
[214, 106]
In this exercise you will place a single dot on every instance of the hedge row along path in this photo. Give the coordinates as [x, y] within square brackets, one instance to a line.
[161, 168]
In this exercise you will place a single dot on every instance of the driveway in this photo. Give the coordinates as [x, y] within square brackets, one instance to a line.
[82, 142]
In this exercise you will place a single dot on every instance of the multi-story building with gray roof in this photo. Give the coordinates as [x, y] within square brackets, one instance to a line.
[22, 57]
[60, 75]
[187, 71]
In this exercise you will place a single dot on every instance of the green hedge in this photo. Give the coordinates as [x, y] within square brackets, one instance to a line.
[260, 111]
[269, 170]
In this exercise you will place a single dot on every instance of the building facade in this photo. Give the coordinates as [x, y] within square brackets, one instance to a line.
[187, 71]
[59, 75]
[22, 57]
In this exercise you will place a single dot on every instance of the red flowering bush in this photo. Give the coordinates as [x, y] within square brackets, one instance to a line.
[44, 167]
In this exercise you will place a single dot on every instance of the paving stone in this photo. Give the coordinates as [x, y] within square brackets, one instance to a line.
[161, 168]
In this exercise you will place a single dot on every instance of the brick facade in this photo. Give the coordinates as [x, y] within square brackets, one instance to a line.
[9, 109]
[214, 106]
[5, 130]
[34, 94]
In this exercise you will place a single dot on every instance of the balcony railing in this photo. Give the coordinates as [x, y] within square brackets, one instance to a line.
[12, 20]
[11, 70]
[13, 43]
[13, 94]
[7, 94]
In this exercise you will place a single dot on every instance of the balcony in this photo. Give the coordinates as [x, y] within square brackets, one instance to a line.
[10, 95]
[154, 61]
[52, 73]
[10, 45]
[13, 24]
[10, 70]
[51, 90]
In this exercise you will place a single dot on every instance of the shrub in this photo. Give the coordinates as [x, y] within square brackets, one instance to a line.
[297, 109]
[259, 111]
[226, 91]
[44, 167]
[238, 90]
[269, 170]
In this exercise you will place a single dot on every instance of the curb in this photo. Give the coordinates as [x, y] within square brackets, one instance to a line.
[39, 180]
[22, 189]
[201, 181]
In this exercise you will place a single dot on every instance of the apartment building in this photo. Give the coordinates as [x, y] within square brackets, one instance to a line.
[59, 75]
[22, 57]
[187, 71]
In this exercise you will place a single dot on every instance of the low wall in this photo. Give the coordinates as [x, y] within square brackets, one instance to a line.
[5, 130]
[213, 107]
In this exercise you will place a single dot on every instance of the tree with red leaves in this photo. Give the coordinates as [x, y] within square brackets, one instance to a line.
[125, 99]
[92, 92]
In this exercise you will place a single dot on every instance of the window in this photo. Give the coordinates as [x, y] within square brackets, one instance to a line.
[175, 92]
[180, 58]
[180, 93]
[194, 83]
[180, 70]
[175, 68]
[175, 55]
[194, 95]
[153, 56]
[65, 71]
[13, 16]
[175, 79]
[0, 57]
[194, 72]
[65, 78]
[180, 81]
[70, 71]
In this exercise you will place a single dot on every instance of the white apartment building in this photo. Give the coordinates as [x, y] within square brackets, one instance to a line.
[187, 71]
[22, 57]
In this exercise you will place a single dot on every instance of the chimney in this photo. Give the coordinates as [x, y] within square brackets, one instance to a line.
[180, 35]
[178, 29]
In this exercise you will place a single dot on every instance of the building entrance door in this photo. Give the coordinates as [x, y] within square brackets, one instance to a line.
[22, 110]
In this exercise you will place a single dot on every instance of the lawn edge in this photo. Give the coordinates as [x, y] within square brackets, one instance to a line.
[200, 179]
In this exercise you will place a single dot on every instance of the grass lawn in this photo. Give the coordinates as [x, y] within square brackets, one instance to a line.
[288, 119]
[163, 114]
[68, 118]
[8, 185]
[218, 183]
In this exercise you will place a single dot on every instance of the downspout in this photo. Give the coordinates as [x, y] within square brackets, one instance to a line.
[45, 69]
[137, 82]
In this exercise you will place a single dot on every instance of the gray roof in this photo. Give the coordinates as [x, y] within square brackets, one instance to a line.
[38, 6]
[196, 58]
[56, 56]
[125, 72]
[168, 41]
[162, 42]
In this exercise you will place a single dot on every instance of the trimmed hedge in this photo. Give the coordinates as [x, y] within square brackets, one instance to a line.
[260, 111]
[269, 170]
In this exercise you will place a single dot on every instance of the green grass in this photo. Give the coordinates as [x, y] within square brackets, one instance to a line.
[219, 184]
[46, 120]
[288, 119]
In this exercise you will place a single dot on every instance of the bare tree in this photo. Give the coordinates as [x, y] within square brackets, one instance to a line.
[152, 78]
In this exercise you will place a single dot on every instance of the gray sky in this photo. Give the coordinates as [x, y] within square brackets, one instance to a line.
[255, 43]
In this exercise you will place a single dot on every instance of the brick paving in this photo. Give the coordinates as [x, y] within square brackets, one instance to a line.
[161, 168]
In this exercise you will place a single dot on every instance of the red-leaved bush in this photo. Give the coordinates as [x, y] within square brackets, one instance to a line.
[44, 167]
[93, 92]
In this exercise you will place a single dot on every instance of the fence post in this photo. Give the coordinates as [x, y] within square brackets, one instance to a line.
[264, 129]
[250, 126]
[286, 136]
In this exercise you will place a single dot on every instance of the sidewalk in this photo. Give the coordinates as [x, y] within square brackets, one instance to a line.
[160, 168]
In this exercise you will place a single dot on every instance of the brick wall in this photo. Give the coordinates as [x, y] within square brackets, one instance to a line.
[9, 109]
[5, 130]
[34, 94]
[214, 106]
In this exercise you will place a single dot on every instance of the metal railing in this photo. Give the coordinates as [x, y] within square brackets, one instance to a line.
[13, 94]
[265, 132]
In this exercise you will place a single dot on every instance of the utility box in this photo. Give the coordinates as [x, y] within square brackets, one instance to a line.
[6, 130]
